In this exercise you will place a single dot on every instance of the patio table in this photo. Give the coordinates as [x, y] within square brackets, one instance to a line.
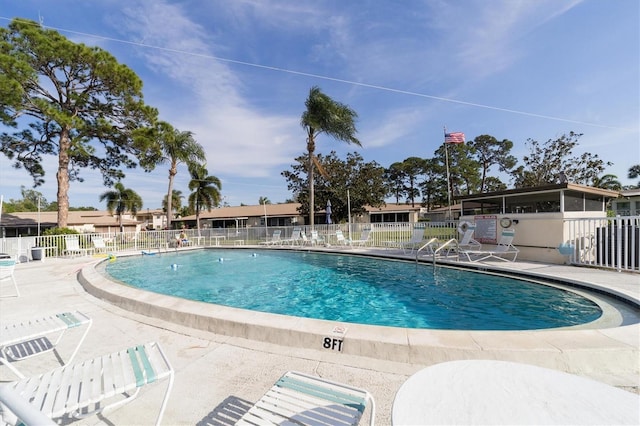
[499, 392]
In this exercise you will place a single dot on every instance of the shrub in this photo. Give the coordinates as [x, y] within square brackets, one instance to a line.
[59, 231]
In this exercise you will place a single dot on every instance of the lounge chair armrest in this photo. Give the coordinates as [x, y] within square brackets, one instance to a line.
[21, 408]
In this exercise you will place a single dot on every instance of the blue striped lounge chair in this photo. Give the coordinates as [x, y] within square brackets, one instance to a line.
[22, 340]
[301, 399]
[502, 251]
[7, 267]
[87, 388]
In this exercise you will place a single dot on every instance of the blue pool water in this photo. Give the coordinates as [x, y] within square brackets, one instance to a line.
[356, 289]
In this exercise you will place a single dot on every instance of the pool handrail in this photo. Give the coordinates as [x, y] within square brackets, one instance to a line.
[452, 241]
[426, 245]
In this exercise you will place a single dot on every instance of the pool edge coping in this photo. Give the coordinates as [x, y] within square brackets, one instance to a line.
[611, 350]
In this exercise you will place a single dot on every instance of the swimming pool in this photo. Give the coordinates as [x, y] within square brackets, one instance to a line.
[356, 289]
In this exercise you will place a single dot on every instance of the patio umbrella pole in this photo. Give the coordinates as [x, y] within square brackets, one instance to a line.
[349, 212]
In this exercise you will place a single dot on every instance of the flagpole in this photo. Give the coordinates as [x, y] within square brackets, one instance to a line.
[446, 156]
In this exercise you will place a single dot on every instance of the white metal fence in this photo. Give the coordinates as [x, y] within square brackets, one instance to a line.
[37, 247]
[605, 242]
[612, 242]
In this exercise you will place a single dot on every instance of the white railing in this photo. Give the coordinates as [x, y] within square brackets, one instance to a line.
[611, 242]
[605, 242]
[380, 235]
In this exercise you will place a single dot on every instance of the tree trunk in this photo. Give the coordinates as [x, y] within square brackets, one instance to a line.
[311, 200]
[63, 178]
[197, 206]
[172, 172]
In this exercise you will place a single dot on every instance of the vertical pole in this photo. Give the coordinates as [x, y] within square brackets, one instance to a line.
[446, 156]
[38, 216]
[311, 198]
[266, 232]
[349, 212]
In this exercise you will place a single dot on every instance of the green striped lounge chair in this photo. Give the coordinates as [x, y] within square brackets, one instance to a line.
[26, 339]
[87, 388]
[301, 399]
[7, 267]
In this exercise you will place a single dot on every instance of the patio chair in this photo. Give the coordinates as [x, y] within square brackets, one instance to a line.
[316, 239]
[99, 245]
[466, 230]
[7, 266]
[417, 236]
[504, 247]
[296, 237]
[72, 247]
[300, 399]
[26, 339]
[364, 239]
[93, 386]
[341, 240]
[182, 240]
[275, 239]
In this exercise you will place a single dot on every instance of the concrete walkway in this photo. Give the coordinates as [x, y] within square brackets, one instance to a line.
[217, 374]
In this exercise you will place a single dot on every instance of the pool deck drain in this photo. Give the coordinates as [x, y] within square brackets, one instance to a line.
[225, 355]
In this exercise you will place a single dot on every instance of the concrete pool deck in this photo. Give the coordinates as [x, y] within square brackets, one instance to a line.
[225, 359]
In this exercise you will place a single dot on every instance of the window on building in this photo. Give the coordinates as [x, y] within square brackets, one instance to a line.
[389, 217]
[546, 202]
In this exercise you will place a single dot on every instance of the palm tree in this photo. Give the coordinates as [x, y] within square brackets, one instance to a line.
[176, 202]
[634, 172]
[264, 200]
[121, 200]
[206, 191]
[324, 115]
[177, 147]
[607, 182]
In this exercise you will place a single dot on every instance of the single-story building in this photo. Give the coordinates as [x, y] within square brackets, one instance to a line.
[35, 223]
[540, 216]
[287, 214]
[391, 213]
[628, 204]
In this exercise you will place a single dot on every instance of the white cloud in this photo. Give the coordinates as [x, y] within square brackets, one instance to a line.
[239, 138]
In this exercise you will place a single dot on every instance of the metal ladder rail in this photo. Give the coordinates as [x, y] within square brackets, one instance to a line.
[425, 245]
[452, 241]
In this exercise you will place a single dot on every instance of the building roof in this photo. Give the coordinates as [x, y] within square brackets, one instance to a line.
[547, 188]
[236, 212]
[285, 209]
[392, 207]
[635, 192]
[75, 218]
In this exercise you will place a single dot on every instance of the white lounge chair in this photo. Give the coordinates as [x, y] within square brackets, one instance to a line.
[301, 399]
[417, 236]
[296, 237]
[341, 240]
[99, 245]
[304, 240]
[93, 386]
[466, 230]
[7, 266]
[364, 239]
[13, 405]
[72, 247]
[275, 239]
[504, 247]
[22, 340]
[182, 240]
[316, 239]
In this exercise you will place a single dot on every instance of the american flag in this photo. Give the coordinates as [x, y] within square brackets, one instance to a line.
[453, 137]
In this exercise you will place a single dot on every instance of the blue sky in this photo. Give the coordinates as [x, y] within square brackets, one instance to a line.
[237, 73]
